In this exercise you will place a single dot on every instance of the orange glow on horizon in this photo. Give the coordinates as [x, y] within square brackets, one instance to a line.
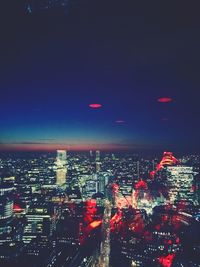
[47, 147]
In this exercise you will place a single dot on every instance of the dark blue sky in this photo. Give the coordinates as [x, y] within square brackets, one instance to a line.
[122, 55]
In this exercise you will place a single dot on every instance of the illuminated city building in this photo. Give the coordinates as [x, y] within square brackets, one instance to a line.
[167, 160]
[101, 183]
[136, 169]
[91, 187]
[61, 156]
[97, 161]
[97, 155]
[11, 229]
[61, 170]
[98, 167]
[6, 201]
[6, 211]
[61, 176]
[196, 188]
[180, 181]
[39, 222]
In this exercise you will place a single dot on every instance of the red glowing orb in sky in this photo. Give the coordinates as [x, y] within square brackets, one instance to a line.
[165, 99]
[120, 121]
[95, 105]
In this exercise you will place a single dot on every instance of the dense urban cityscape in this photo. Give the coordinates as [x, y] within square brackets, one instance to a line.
[99, 209]
[99, 133]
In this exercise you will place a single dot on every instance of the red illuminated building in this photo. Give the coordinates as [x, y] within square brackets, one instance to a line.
[167, 160]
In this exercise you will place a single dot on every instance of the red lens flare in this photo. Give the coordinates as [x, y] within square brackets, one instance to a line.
[95, 105]
[165, 99]
[120, 121]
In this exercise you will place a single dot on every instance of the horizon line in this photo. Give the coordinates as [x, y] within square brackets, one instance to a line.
[49, 147]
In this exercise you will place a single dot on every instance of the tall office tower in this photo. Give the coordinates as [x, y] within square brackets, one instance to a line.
[98, 166]
[91, 187]
[91, 153]
[136, 169]
[6, 201]
[61, 164]
[97, 161]
[62, 156]
[97, 155]
[39, 222]
[6, 212]
[101, 183]
[197, 188]
[180, 181]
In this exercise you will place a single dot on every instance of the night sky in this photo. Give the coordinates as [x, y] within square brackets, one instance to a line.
[124, 55]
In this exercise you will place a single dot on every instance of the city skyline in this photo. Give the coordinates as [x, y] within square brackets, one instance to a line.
[99, 134]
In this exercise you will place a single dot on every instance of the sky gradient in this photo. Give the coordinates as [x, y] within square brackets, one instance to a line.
[123, 57]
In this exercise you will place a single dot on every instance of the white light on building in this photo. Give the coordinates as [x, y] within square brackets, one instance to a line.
[180, 181]
[61, 170]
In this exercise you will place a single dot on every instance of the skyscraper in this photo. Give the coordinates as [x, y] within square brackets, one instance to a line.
[197, 188]
[62, 155]
[98, 166]
[101, 183]
[39, 221]
[97, 155]
[97, 161]
[6, 212]
[61, 170]
[6, 201]
[180, 182]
